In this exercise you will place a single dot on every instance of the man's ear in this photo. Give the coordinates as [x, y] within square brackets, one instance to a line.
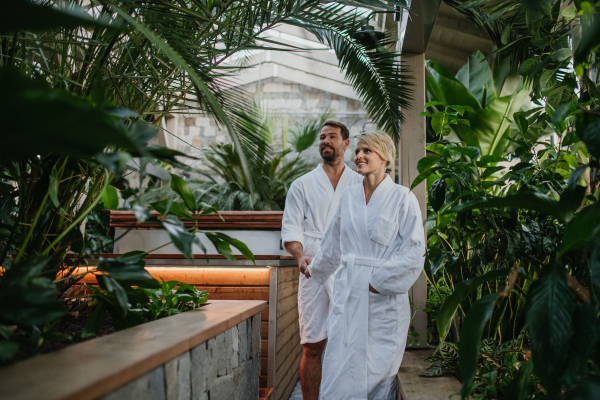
[346, 144]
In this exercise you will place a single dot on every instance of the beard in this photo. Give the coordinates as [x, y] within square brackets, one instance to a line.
[331, 155]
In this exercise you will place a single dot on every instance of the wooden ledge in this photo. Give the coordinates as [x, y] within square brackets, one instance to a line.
[97, 367]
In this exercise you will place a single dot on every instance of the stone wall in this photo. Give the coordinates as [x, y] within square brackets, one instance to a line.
[225, 367]
[285, 104]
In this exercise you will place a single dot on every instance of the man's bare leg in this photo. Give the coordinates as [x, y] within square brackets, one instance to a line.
[310, 369]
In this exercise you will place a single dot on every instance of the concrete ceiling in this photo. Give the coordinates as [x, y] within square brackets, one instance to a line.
[454, 38]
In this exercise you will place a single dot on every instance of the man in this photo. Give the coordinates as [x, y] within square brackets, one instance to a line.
[310, 206]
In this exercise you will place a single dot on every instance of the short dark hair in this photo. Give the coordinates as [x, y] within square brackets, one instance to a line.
[345, 131]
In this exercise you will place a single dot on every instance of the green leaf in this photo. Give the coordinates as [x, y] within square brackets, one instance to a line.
[587, 389]
[570, 201]
[539, 41]
[7, 350]
[427, 162]
[434, 370]
[520, 387]
[476, 76]
[433, 103]
[582, 229]
[95, 321]
[548, 316]
[437, 194]
[489, 171]
[461, 291]
[222, 243]
[529, 65]
[569, 13]
[180, 187]
[527, 200]
[112, 286]
[182, 239]
[167, 207]
[585, 337]
[110, 198]
[470, 340]
[561, 55]
[590, 39]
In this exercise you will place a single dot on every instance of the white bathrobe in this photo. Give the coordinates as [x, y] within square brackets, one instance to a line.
[309, 207]
[382, 244]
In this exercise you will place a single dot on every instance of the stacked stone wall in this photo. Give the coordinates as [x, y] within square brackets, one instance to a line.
[226, 367]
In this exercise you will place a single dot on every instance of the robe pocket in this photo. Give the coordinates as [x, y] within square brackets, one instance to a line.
[339, 291]
[383, 231]
[380, 305]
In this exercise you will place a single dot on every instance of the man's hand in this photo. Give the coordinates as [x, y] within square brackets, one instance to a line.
[372, 289]
[303, 264]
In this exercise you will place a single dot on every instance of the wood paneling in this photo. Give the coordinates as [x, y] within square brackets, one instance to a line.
[287, 304]
[234, 220]
[289, 332]
[282, 390]
[292, 348]
[236, 292]
[287, 319]
[209, 276]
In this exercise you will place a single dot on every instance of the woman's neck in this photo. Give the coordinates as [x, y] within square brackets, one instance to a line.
[371, 181]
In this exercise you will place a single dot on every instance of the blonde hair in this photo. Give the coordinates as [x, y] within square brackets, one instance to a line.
[382, 144]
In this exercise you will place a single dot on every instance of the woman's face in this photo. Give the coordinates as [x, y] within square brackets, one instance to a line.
[366, 160]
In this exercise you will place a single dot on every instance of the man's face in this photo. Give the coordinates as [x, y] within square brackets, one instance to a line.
[331, 143]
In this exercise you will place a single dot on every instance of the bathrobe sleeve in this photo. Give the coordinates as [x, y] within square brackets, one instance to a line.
[293, 216]
[329, 256]
[405, 263]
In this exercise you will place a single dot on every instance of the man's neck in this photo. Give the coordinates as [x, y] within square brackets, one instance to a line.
[334, 170]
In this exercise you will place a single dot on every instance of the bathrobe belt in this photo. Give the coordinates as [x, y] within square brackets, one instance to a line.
[351, 262]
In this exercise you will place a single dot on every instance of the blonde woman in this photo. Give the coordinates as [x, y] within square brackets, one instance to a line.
[377, 236]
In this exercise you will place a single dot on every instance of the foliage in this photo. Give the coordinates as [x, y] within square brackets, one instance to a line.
[226, 184]
[514, 233]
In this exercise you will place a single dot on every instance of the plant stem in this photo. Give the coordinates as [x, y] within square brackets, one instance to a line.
[81, 217]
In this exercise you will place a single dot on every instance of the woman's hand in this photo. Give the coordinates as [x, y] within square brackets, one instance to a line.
[372, 289]
[303, 264]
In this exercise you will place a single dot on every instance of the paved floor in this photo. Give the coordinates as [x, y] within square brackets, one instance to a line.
[296, 393]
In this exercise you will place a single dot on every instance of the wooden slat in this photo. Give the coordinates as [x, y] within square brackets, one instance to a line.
[286, 304]
[234, 220]
[263, 363]
[286, 289]
[290, 388]
[262, 381]
[287, 334]
[264, 315]
[264, 346]
[290, 350]
[201, 276]
[287, 274]
[236, 292]
[182, 257]
[291, 375]
[264, 329]
[287, 319]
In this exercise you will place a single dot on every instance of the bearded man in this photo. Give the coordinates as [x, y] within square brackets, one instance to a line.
[310, 206]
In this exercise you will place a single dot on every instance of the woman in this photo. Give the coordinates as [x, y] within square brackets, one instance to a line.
[377, 238]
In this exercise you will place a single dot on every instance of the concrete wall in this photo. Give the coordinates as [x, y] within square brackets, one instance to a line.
[225, 367]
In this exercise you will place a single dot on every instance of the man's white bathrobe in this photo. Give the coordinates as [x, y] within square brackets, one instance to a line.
[382, 244]
[309, 207]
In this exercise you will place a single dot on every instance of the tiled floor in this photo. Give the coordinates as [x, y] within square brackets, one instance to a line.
[296, 393]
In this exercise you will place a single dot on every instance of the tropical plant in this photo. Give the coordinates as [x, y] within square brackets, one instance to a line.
[516, 235]
[491, 98]
[226, 186]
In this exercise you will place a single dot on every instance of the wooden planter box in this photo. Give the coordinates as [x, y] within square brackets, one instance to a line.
[273, 278]
[208, 353]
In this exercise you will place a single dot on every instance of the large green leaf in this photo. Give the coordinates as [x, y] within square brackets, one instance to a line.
[470, 340]
[110, 198]
[182, 239]
[476, 76]
[460, 293]
[548, 316]
[448, 89]
[64, 124]
[584, 226]
[180, 187]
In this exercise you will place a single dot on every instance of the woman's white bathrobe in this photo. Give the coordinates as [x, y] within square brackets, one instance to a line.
[310, 206]
[382, 244]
